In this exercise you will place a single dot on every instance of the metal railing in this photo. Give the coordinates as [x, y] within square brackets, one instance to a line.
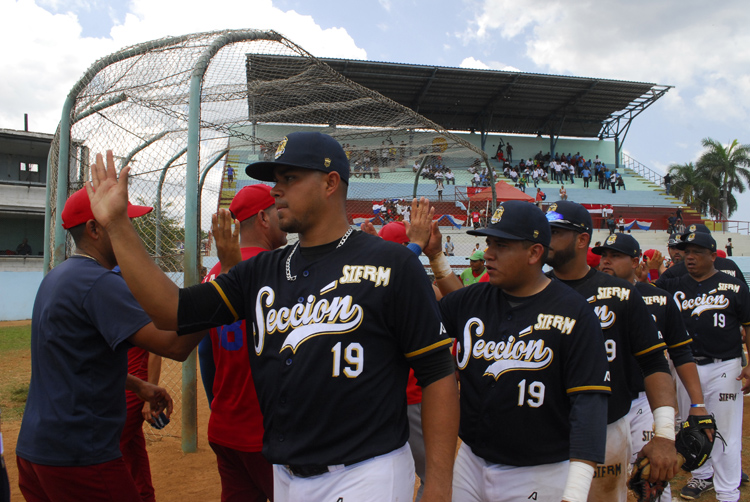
[642, 170]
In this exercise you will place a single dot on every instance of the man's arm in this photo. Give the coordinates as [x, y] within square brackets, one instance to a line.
[157, 397]
[440, 417]
[745, 373]
[156, 292]
[661, 450]
[166, 343]
[154, 373]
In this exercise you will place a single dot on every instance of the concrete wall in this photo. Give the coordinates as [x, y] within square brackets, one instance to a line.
[19, 282]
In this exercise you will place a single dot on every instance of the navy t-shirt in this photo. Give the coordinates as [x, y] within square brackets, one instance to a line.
[75, 410]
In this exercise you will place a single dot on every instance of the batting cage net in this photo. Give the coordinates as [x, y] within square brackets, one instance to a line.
[253, 88]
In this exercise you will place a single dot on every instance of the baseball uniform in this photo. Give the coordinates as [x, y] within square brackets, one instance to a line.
[630, 335]
[330, 354]
[725, 265]
[713, 311]
[522, 362]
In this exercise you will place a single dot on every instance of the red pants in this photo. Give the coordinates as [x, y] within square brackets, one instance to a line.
[133, 448]
[109, 481]
[245, 476]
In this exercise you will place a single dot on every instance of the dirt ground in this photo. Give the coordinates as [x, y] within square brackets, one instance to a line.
[180, 477]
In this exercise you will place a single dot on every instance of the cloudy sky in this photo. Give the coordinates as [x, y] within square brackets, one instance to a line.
[702, 50]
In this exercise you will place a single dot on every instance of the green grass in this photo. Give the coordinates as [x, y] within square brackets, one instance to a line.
[14, 338]
[14, 342]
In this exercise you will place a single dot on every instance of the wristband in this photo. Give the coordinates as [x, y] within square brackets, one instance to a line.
[664, 422]
[579, 482]
[440, 267]
[701, 405]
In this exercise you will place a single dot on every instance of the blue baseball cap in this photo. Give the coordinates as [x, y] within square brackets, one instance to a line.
[306, 150]
[517, 220]
[570, 216]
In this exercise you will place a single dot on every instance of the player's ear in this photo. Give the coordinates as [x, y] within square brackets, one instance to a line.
[332, 182]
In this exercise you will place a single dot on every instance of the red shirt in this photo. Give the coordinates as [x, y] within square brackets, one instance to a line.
[138, 367]
[236, 421]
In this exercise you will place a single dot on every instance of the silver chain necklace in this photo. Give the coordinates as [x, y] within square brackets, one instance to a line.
[292, 278]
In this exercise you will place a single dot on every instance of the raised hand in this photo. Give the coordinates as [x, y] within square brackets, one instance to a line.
[418, 229]
[227, 240]
[107, 193]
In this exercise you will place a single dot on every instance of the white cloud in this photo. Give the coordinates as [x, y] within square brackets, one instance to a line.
[470, 62]
[386, 4]
[700, 49]
[49, 53]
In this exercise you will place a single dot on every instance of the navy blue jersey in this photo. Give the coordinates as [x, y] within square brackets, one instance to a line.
[629, 332]
[520, 361]
[75, 412]
[725, 265]
[669, 323]
[330, 349]
[713, 311]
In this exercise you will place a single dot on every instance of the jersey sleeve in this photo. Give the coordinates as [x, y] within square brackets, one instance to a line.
[416, 316]
[743, 306]
[644, 336]
[113, 309]
[214, 303]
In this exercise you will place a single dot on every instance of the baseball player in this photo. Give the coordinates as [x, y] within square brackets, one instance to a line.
[331, 348]
[721, 264]
[235, 427]
[714, 307]
[83, 323]
[531, 357]
[620, 255]
[633, 345]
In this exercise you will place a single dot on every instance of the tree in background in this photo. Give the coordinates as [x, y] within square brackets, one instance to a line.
[692, 187]
[707, 186]
[728, 168]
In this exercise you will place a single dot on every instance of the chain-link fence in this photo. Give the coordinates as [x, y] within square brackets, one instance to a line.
[189, 113]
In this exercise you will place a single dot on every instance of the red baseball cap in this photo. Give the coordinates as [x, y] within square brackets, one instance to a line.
[394, 232]
[251, 200]
[77, 210]
[593, 259]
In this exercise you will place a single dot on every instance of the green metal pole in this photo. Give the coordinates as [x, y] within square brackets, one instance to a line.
[63, 164]
[157, 205]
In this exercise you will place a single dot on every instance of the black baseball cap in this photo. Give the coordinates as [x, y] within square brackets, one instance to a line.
[701, 239]
[570, 216]
[622, 243]
[308, 150]
[696, 228]
[674, 239]
[517, 221]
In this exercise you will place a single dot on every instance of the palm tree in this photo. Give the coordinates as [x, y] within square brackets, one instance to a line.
[693, 186]
[729, 167]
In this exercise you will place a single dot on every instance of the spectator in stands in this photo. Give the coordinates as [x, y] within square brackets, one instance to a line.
[620, 181]
[621, 224]
[572, 174]
[439, 187]
[230, 174]
[449, 177]
[729, 246]
[25, 249]
[476, 180]
[509, 151]
[586, 173]
[613, 181]
[671, 223]
[601, 177]
[563, 192]
[667, 182]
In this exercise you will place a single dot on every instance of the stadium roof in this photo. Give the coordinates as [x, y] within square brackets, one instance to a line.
[507, 102]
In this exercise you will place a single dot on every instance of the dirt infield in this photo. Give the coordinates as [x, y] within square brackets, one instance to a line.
[180, 477]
